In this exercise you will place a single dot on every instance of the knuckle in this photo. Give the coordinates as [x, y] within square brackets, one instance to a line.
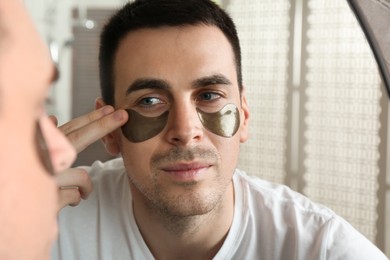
[91, 117]
[69, 197]
[84, 177]
[74, 196]
[103, 123]
[76, 139]
[66, 128]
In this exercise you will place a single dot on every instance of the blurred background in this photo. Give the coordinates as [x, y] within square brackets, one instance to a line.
[319, 110]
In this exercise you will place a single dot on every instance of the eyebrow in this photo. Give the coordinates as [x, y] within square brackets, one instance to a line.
[152, 83]
[147, 83]
[216, 79]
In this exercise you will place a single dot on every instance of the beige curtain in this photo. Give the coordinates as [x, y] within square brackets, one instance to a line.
[318, 107]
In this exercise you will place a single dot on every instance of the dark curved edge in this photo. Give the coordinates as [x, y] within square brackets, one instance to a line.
[372, 42]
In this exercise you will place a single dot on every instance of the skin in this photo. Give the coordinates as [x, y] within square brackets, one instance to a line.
[181, 179]
[29, 196]
[75, 183]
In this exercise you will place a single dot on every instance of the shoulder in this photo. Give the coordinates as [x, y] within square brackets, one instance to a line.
[110, 166]
[110, 186]
[278, 197]
[313, 227]
[110, 182]
[109, 179]
[345, 242]
[105, 216]
[109, 170]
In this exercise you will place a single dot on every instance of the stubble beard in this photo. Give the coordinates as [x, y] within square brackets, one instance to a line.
[184, 211]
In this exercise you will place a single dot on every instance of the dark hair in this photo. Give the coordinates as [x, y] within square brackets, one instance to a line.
[142, 14]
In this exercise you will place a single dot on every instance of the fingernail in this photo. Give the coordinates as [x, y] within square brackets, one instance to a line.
[108, 110]
[118, 115]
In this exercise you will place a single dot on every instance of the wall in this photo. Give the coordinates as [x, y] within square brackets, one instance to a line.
[53, 19]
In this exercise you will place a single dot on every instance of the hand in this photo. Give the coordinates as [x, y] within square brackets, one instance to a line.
[90, 127]
[75, 184]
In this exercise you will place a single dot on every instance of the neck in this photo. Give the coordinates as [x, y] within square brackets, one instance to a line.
[183, 237]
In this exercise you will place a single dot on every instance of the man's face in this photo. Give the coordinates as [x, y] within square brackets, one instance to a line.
[185, 169]
[28, 194]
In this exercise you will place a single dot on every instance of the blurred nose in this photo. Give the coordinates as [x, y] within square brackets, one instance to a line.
[62, 153]
[183, 127]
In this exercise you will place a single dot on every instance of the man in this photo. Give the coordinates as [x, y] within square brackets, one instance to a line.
[33, 149]
[175, 67]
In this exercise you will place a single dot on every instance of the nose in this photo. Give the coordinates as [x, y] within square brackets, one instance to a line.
[62, 153]
[183, 126]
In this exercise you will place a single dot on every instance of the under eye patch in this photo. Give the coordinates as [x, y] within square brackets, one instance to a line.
[139, 128]
[224, 122]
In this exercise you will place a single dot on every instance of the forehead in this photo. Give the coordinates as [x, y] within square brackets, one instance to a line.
[22, 49]
[25, 64]
[14, 20]
[17, 30]
[175, 52]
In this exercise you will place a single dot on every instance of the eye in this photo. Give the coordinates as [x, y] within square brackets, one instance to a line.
[209, 96]
[150, 101]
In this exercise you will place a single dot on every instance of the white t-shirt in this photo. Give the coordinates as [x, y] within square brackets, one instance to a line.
[270, 222]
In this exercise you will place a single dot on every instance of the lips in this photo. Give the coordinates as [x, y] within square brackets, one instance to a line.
[186, 171]
[185, 167]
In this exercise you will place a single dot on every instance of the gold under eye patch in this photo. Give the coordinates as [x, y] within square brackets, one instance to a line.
[139, 128]
[224, 122]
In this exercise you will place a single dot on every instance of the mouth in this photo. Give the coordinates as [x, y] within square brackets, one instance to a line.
[184, 172]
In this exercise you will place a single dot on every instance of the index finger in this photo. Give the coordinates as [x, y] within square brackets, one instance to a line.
[86, 119]
[95, 130]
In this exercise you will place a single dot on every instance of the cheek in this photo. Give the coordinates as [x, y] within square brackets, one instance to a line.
[31, 209]
[136, 156]
[228, 149]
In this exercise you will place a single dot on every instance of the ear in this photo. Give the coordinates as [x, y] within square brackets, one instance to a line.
[244, 129]
[111, 140]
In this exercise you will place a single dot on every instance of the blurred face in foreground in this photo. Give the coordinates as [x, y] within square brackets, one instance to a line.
[32, 147]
